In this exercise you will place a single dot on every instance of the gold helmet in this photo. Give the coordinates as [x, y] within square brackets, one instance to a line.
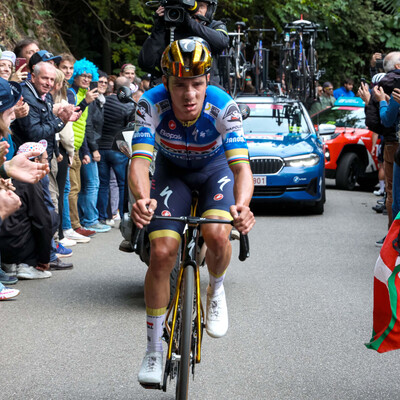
[186, 58]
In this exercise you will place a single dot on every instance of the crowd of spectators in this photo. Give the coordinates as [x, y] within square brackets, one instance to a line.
[58, 120]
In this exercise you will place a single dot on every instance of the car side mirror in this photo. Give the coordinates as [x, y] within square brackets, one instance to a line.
[326, 129]
[244, 110]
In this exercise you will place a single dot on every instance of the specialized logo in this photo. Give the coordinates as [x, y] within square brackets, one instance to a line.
[218, 197]
[232, 113]
[223, 181]
[167, 193]
[143, 109]
[166, 213]
[172, 125]
[194, 134]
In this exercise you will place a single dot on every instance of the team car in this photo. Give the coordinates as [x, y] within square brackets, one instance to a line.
[348, 144]
[286, 153]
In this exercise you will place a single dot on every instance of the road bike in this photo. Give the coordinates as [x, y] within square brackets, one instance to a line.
[238, 65]
[260, 62]
[185, 318]
[298, 66]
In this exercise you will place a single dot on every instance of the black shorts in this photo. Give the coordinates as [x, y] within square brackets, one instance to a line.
[172, 187]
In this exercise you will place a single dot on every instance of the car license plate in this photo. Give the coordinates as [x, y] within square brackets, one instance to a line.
[260, 180]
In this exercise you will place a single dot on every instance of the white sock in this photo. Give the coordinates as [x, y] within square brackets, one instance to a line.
[155, 327]
[382, 186]
[216, 282]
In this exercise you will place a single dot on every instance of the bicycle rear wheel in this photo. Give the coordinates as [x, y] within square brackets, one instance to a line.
[185, 345]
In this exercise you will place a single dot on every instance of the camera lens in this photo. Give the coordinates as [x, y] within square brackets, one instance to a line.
[173, 15]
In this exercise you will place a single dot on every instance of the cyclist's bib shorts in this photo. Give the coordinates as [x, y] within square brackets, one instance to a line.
[194, 155]
[172, 188]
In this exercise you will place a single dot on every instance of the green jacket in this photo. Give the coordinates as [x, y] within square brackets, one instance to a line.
[79, 126]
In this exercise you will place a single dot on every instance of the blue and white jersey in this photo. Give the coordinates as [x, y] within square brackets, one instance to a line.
[218, 129]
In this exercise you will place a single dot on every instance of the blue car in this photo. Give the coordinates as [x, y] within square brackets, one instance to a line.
[286, 154]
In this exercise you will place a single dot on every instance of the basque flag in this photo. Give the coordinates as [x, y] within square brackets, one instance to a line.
[386, 323]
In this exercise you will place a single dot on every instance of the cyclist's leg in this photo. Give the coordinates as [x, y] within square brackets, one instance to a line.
[216, 198]
[173, 198]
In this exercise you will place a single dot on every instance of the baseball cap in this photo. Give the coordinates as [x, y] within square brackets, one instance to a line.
[8, 55]
[40, 146]
[10, 93]
[42, 55]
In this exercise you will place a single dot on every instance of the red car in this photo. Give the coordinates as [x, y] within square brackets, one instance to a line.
[348, 144]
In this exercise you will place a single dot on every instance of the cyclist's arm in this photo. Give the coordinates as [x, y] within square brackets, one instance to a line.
[243, 191]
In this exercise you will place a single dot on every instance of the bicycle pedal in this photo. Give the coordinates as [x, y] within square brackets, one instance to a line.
[151, 386]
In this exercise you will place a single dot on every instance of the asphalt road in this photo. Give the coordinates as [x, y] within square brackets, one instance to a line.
[300, 313]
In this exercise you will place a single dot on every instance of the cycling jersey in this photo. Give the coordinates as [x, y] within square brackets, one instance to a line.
[217, 130]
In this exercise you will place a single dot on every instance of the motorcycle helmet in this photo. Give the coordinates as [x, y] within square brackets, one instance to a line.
[186, 58]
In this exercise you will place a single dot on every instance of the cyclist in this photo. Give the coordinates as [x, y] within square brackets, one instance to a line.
[199, 136]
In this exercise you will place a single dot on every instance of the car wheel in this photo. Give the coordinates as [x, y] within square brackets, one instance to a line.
[348, 171]
[318, 207]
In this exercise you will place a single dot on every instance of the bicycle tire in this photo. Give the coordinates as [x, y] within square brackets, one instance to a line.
[185, 345]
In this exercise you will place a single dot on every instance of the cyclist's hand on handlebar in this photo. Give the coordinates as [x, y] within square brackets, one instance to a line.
[142, 211]
[243, 218]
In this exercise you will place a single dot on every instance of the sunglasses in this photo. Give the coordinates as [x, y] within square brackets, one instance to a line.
[197, 69]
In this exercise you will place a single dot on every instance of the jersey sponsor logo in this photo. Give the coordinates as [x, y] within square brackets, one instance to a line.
[166, 213]
[163, 106]
[150, 325]
[212, 110]
[236, 139]
[171, 125]
[218, 197]
[167, 193]
[143, 109]
[223, 181]
[169, 135]
[234, 128]
[142, 135]
[232, 113]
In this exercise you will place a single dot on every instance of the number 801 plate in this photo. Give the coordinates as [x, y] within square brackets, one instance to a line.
[260, 180]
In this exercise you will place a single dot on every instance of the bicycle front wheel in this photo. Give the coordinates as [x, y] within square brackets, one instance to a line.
[185, 345]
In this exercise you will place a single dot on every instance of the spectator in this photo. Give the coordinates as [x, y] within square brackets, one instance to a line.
[116, 117]
[111, 80]
[129, 72]
[391, 66]
[41, 123]
[26, 48]
[25, 236]
[59, 171]
[7, 62]
[345, 90]
[87, 201]
[45, 56]
[79, 93]
[325, 100]
[145, 84]
[66, 65]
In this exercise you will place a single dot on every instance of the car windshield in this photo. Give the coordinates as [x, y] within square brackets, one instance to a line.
[343, 117]
[276, 119]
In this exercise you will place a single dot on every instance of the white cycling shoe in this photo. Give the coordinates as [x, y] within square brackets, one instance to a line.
[217, 313]
[150, 373]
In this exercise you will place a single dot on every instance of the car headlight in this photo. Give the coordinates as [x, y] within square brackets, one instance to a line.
[306, 160]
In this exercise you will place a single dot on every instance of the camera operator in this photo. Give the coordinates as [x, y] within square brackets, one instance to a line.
[200, 23]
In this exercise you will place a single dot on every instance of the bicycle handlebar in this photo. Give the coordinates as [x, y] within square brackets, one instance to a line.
[244, 248]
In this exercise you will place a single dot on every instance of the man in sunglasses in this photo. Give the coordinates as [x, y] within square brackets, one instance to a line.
[197, 130]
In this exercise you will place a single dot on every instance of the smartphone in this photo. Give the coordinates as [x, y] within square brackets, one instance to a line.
[396, 84]
[93, 85]
[21, 61]
[363, 81]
